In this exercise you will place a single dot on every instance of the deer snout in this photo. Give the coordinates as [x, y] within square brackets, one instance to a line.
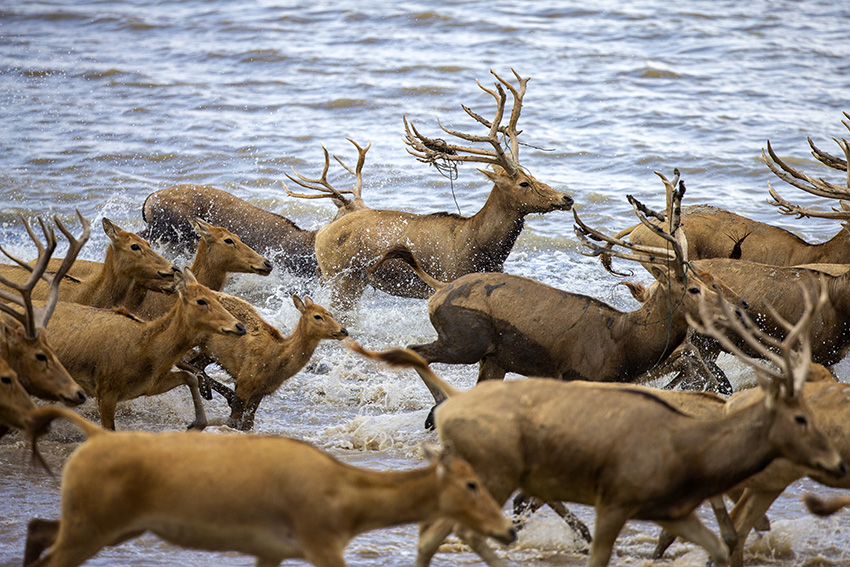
[506, 537]
[75, 399]
[566, 203]
[169, 274]
[341, 334]
[838, 471]
[238, 330]
[265, 269]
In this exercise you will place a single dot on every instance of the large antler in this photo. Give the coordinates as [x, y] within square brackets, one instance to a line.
[32, 319]
[816, 186]
[675, 256]
[429, 150]
[792, 362]
[326, 190]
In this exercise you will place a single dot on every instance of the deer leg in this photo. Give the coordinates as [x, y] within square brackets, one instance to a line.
[106, 404]
[346, 291]
[724, 522]
[237, 408]
[572, 520]
[609, 522]
[748, 511]
[430, 539]
[41, 534]
[203, 379]
[247, 421]
[708, 350]
[665, 540]
[524, 505]
[691, 529]
[169, 380]
[489, 369]
[228, 393]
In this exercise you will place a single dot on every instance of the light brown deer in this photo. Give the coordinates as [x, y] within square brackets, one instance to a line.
[220, 252]
[509, 323]
[15, 404]
[168, 213]
[621, 448]
[271, 497]
[264, 359]
[717, 233]
[448, 245]
[115, 356]
[129, 259]
[22, 338]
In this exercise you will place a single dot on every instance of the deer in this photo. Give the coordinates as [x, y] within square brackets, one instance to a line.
[281, 498]
[716, 233]
[264, 359]
[624, 448]
[510, 323]
[448, 245]
[129, 260]
[115, 356]
[23, 343]
[168, 213]
[15, 403]
[219, 253]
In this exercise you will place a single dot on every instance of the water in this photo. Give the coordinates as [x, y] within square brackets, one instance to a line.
[102, 103]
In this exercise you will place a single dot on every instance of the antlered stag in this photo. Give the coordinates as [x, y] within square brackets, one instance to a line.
[624, 448]
[509, 323]
[115, 356]
[717, 233]
[22, 340]
[129, 261]
[448, 245]
[271, 497]
[168, 213]
[264, 359]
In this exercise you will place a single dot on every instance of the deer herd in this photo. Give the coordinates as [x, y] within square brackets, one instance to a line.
[582, 428]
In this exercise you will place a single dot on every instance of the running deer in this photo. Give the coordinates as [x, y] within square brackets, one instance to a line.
[264, 359]
[271, 497]
[168, 212]
[129, 260]
[220, 252]
[509, 323]
[448, 245]
[115, 356]
[625, 449]
[717, 233]
[22, 337]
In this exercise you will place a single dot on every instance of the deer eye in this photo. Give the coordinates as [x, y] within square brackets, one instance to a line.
[135, 247]
[801, 420]
[472, 486]
[693, 290]
[525, 184]
[317, 317]
[41, 357]
[202, 302]
[228, 241]
[6, 380]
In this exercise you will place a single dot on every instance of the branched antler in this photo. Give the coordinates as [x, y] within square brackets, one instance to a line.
[791, 356]
[431, 150]
[326, 190]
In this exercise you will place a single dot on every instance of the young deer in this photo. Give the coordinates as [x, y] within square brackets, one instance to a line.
[115, 356]
[624, 449]
[448, 245]
[271, 497]
[264, 359]
[22, 338]
[15, 404]
[219, 253]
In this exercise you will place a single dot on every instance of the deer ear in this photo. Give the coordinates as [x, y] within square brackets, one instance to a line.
[110, 228]
[299, 305]
[200, 226]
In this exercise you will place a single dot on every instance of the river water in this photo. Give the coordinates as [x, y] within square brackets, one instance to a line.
[102, 103]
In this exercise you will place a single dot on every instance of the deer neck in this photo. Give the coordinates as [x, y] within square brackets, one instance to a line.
[384, 499]
[300, 345]
[731, 448]
[205, 270]
[107, 288]
[660, 320]
[169, 336]
[836, 250]
[494, 230]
